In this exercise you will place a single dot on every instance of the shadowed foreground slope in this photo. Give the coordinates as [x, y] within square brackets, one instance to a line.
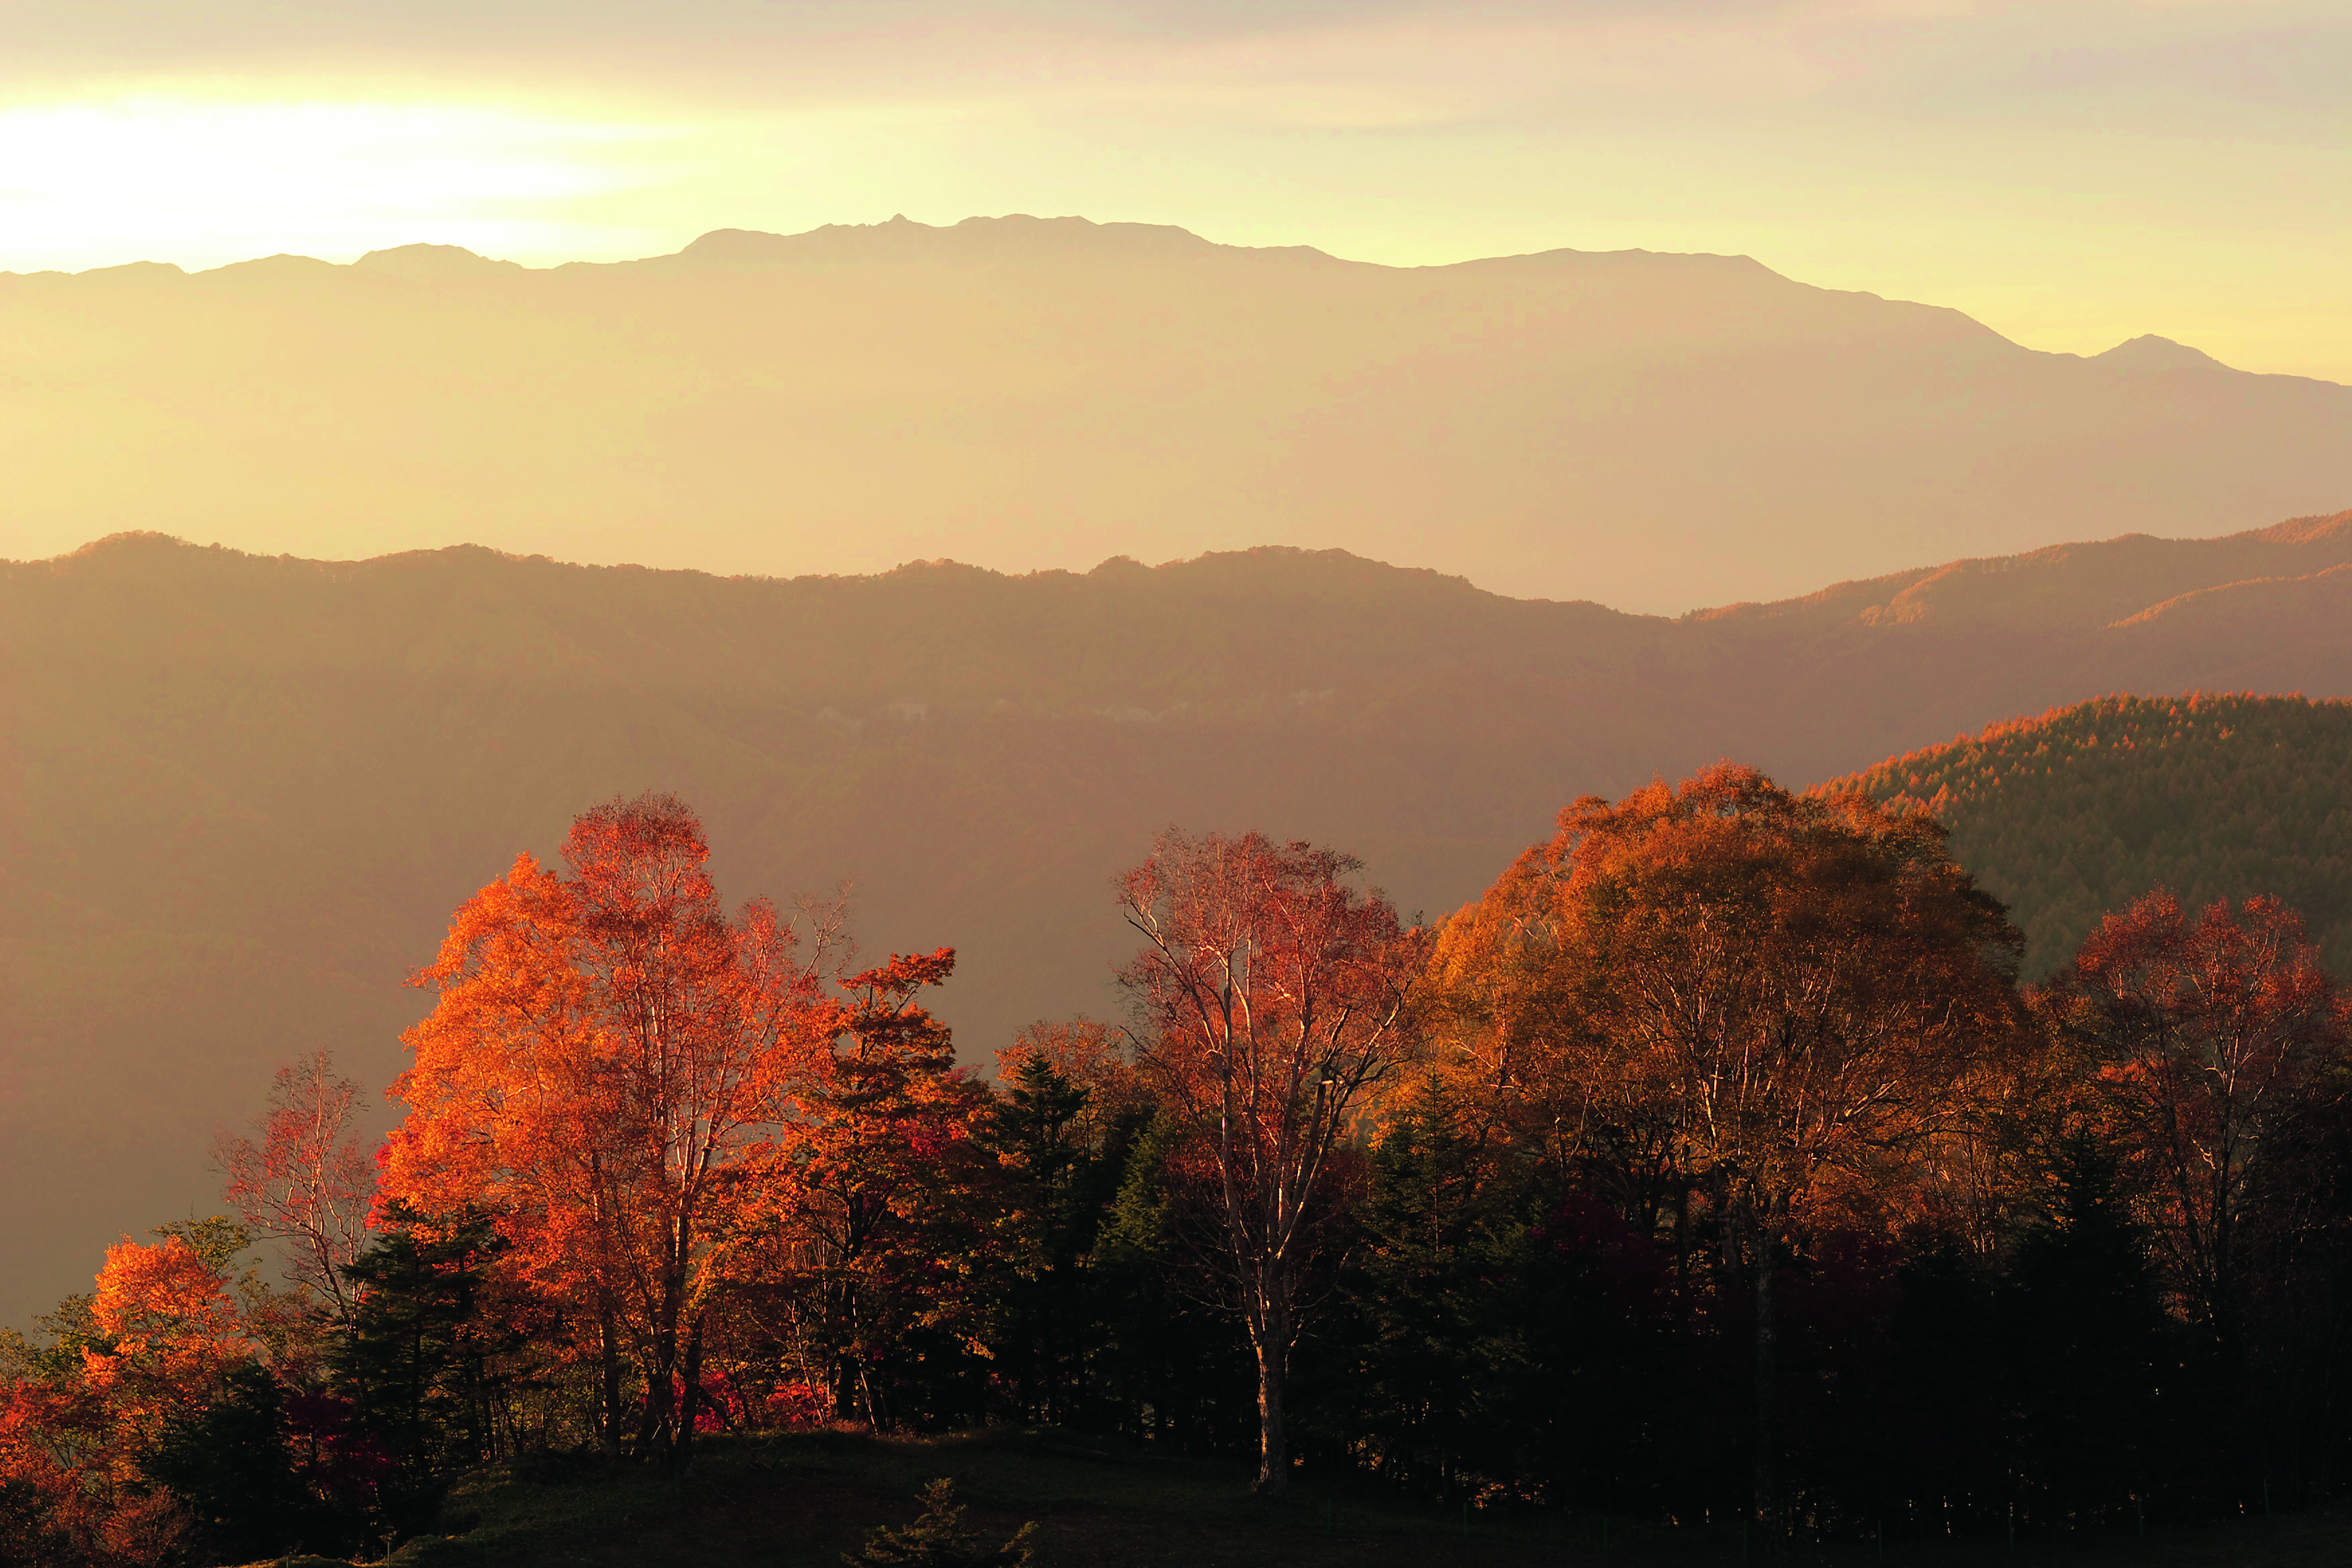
[799, 1501]
[239, 796]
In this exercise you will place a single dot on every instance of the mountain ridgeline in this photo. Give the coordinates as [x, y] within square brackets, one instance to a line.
[1653, 431]
[239, 795]
[2072, 814]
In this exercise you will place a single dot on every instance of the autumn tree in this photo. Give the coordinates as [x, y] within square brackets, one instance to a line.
[2213, 1040]
[90, 1423]
[300, 1178]
[1760, 997]
[607, 1071]
[172, 1323]
[1270, 997]
[883, 1204]
[50, 1509]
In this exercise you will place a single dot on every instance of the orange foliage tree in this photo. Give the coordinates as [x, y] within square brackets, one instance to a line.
[153, 1347]
[129, 1381]
[1089, 1054]
[608, 1070]
[1724, 990]
[2213, 1040]
[172, 1327]
[1271, 996]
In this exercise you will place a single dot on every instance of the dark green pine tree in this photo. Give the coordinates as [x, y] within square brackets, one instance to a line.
[1416, 1382]
[1173, 1359]
[1045, 1329]
[412, 1363]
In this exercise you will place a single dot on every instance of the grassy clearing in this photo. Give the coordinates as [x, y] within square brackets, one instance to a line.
[800, 1499]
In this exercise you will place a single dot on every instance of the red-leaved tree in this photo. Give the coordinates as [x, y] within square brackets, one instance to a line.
[302, 1180]
[1271, 996]
[2214, 1039]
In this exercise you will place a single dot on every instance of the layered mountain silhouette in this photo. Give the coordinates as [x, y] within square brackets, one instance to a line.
[1652, 431]
[239, 795]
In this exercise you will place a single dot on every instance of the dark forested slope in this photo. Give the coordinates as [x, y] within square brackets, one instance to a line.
[2076, 813]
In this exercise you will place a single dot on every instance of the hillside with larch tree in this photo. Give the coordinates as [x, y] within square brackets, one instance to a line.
[2072, 813]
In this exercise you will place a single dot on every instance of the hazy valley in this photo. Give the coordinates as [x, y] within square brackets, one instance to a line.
[242, 795]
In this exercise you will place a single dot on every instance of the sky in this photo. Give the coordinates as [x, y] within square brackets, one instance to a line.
[2071, 173]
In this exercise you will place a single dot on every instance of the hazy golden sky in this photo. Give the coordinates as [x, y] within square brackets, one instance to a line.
[2071, 172]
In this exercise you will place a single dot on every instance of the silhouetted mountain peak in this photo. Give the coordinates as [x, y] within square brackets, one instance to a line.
[283, 268]
[2149, 351]
[1014, 236]
[137, 270]
[1650, 262]
[432, 261]
[130, 542]
[1646, 429]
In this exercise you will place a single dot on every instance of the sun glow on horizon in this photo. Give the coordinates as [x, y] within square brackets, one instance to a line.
[201, 182]
[2070, 175]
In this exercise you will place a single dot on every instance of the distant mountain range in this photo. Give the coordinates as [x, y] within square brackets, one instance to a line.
[2078, 811]
[1650, 431]
[239, 795]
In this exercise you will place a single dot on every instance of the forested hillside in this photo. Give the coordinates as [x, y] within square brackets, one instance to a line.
[1710, 1174]
[240, 794]
[2075, 814]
